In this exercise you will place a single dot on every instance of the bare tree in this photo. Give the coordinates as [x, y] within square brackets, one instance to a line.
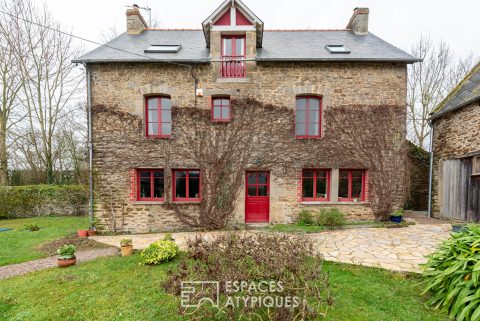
[223, 151]
[109, 34]
[378, 146]
[10, 84]
[50, 82]
[429, 82]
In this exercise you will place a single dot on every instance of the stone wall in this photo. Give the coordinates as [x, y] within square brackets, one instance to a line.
[418, 172]
[455, 134]
[120, 144]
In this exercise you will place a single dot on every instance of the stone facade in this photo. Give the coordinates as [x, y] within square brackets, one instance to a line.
[456, 134]
[120, 145]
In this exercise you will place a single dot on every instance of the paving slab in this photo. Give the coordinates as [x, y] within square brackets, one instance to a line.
[397, 249]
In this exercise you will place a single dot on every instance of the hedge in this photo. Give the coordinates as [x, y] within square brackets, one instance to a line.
[42, 200]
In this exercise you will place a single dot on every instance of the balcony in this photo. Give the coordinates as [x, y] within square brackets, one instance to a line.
[233, 67]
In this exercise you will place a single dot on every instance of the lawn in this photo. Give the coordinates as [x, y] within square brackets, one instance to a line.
[20, 245]
[119, 289]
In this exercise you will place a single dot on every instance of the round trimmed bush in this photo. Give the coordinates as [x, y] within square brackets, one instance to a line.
[159, 252]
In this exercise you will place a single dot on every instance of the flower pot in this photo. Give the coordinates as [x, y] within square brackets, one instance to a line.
[459, 228]
[92, 232]
[396, 219]
[82, 233]
[66, 262]
[126, 250]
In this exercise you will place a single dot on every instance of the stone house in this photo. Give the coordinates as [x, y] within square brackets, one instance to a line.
[456, 152]
[142, 81]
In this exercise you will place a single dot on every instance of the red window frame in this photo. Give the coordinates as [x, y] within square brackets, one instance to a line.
[152, 185]
[159, 117]
[307, 116]
[349, 178]
[222, 106]
[186, 198]
[315, 177]
[233, 66]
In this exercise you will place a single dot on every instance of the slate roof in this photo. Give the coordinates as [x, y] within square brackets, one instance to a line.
[466, 93]
[294, 45]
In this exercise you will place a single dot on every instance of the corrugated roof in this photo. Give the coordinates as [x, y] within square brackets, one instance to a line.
[299, 45]
[465, 93]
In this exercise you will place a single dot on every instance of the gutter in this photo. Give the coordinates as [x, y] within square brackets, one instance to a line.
[430, 176]
[90, 143]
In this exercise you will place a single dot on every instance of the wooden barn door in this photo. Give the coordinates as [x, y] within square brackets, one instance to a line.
[456, 175]
[473, 211]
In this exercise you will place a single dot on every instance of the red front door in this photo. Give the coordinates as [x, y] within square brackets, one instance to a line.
[257, 199]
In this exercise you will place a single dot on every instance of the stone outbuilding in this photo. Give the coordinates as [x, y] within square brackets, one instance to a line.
[143, 83]
[456, 152]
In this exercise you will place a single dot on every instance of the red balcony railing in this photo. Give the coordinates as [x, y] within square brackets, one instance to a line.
[233, 67]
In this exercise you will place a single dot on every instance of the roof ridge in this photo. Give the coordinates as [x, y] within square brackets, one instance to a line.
[455, 90]
[174, 29]
[288, 30]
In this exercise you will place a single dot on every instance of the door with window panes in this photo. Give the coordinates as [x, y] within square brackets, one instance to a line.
[257, 198]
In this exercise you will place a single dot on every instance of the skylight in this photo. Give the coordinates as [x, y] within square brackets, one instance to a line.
[337, 49]
[163, 49]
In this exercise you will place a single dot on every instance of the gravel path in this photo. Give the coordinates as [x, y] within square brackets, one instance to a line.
[49, 262]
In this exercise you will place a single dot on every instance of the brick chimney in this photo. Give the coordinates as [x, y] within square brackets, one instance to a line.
[135, 22]
[359, 21]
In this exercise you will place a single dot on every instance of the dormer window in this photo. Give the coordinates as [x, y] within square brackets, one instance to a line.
[233, 56]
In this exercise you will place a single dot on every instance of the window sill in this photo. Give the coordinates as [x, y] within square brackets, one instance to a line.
[187, 202]
[232, 80]
[148, 202]
[308, 137]
[332, 203]
[159, 137]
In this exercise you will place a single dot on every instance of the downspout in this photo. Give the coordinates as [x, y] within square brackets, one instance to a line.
[430, 176]
[90, 143]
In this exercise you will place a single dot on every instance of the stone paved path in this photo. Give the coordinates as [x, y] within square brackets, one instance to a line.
[397, 249]
[50, 262]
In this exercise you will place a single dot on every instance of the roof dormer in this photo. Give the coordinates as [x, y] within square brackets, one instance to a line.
[233, 15]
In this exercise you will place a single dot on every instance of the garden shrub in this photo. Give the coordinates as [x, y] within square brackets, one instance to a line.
[39, 200]
[305, 217]
[159, 252]
[32, 227]
[255, 257]
[330, 217]
[453, 275]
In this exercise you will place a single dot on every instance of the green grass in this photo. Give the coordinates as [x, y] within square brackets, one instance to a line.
[118, 288]
[20, 245]
[363, 293]
[294, 228]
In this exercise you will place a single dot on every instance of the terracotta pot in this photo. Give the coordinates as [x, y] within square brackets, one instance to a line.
[126, 250]
[66, 262]
[82, 233]
[92, 232]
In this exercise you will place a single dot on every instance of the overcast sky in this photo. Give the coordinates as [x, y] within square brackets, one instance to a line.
[398, 22]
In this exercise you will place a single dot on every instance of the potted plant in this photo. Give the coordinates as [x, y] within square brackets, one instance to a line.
[92, 231]
[126, 246]
[459, 227]
[66, 256]
[82, 233]
[396, 216]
